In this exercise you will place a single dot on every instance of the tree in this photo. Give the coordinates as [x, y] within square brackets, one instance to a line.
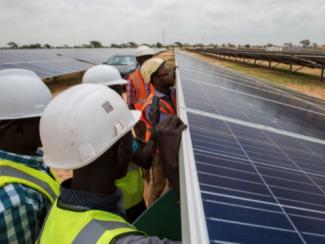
[230, 45]
[315, 45]
[178, 44]
[95, 44]
[159, 45]
[305, 43]
[47, 46]
[288, 44]
[247, 45]
[12, 45]
[113, 45]
[132, 45]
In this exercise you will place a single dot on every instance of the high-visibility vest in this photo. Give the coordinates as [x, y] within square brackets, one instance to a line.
[131, 186]
[12, 172]
[140, 89]
[164, 107]
[66, 225]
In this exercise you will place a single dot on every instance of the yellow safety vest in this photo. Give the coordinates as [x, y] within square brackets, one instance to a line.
[131, 186]
[11, 172]
[91, 226]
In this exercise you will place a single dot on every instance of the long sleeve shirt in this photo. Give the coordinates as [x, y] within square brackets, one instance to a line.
[22, 209]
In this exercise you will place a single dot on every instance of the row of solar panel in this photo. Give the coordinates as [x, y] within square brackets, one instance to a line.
[54, 62]
[257, 186]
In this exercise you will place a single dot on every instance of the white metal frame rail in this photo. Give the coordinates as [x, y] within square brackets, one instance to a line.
[194, 228]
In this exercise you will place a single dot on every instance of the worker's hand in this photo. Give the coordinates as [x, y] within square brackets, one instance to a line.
[168, 138]
[143, 156]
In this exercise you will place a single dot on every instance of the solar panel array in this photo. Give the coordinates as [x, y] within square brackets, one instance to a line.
[259, 154]
[53, 62]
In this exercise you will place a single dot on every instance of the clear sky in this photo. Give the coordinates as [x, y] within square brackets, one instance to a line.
[76, 22]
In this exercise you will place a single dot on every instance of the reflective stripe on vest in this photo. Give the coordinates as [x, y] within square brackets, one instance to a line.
[11, 172]
[140, 89]
[131, 186]
[164, 107]
[92, 226]
[92, 232]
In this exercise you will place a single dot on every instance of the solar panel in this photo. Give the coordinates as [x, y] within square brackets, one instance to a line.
[248, 100]
[53, 62]
[259, 181]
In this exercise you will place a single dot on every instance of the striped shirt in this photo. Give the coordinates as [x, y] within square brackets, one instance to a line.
[22, 209]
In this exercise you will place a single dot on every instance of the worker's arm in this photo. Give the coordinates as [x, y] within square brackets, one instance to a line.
[168, 135]
[143, 240]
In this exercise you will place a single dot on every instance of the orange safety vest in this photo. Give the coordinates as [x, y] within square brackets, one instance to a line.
[164, 107]
[140, 89]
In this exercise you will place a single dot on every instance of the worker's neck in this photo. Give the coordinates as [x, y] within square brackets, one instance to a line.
[94, 179]
[17, 148]
[162, 89]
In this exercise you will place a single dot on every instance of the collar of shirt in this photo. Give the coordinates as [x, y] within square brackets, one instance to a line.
[31, 161]
[83, 200]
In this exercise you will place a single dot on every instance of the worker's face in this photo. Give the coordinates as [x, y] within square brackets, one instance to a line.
[120, 89]
[25, 133]
[124, 155]
[143, 59]
[165, 77]
[31, 136]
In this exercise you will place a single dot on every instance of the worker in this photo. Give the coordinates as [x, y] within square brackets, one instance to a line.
[132, 184]
[137, 89]
[87, 128]
[27, 187]
[155, 72]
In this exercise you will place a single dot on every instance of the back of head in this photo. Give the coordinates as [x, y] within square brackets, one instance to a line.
[103, 74]
[23, 94]
[150, 67]
[82, 123]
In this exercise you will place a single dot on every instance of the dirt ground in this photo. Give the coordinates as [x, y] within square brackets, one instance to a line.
[306, 81]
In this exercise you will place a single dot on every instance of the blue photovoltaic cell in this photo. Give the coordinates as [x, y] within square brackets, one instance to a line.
[257, 186]
[248, 101]
[245, 175]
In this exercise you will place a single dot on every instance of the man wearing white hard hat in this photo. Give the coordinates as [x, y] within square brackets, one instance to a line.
[27, 187]
[87, 128]
[137, 89]
[132, 184]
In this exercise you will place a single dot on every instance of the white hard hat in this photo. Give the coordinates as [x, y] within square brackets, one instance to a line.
[103, 74]
[81, 123]
[149, 67]
[23, 94]
[144, 51]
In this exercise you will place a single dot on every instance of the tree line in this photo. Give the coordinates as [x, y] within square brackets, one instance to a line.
[305, 43]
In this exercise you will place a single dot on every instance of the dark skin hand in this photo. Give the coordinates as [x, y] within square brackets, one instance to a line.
[168, 138]
[143, 156]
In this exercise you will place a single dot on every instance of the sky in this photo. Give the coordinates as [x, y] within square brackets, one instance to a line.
[76, 22]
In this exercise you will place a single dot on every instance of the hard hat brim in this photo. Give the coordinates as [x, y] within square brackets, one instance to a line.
[116, 82]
